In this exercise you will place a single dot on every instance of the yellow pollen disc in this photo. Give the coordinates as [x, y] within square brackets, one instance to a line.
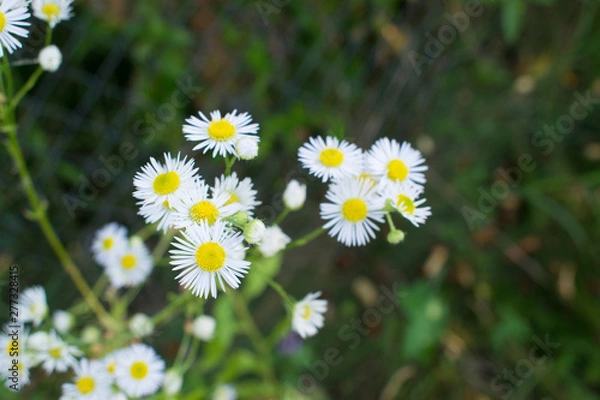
[32, 308]
[406, 204]
[138, 370]
[354, 210]
[111, 367]
[210, 256]
[221, 130]
[85, 385]
[331, 157]
[2, 21]
[128, 261]
[55, 352]
[107, 243]
[166, 183]
[307, 312]
[51, 11]
[397, 170]
[204, 211]
[232, 199]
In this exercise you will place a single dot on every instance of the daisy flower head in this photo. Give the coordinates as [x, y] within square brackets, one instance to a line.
[352, 212]
[207, 254]
[33, 305]
[404, 198]
[163, 213]
[13, 14]
[394, 162]
[57, 355]
[160, 183]
[238, 191]
[131, 266]
[308, 315]
[52, 11]
[330, 158]
[91, 382]
[140, 371]
[219, 133]
[109, 240]
[196, 206]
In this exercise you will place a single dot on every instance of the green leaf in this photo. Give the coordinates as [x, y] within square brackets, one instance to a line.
[263, 268]
[513, 12]
[239, 363]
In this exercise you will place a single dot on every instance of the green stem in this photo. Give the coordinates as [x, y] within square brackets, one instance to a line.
[390, 221]
[305, 239]
[9, 78]
[163, 245]
[281, 291]
[26, 88]
[48, 35]
[229, 164]
[282, 216]
[170, 310]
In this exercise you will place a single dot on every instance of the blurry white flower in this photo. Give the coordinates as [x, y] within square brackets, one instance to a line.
[225, 392]
[140, 371]
[308, 315]
[294, 195]
[57, 355]
[254, 231]
[90, 334]
[274, 240]
[131, 266]
[52, 11]
[203, 327]
[33, 305]
[12, 23]
[50, 58]
[62, 320]
[109, 240]
[173, 382]
[247, 147]
[141, 325]
[90, 382]
[330, 158]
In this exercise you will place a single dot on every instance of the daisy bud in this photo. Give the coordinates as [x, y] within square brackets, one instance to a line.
[50, 58]
[395, 237]
[225, 392]
[240, 218]
[254, 231]
[141, 325]
[90, 334]
[273, 242]
[63, 321]
[294, 195]
[173, 382]
[247, 147]
[203, 327]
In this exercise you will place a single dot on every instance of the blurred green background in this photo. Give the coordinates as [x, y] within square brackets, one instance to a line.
[503, 262]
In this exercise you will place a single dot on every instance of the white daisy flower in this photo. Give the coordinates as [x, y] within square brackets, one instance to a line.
[404, 197]
[206, 254]
[140, 371]
[308, 315]
[273, 241]
[12, 22]
[57, 355]
[52, 11]
[238, 191]
[196, 206]
[389, 160]
[63, 321]
[33, 305]
[203, 327]
[110, 364]
[15, 370]
[109, 240]
[219, 134]
[141, 325]
[157, 183]
[225, 392]
[91, 382]
[163, 213]
[294, 195]
[131, 266]
[330, 158]
[352, 212]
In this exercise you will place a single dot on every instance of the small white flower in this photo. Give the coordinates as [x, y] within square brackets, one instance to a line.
[219, 134]
[352, 212]
[274, 240]
[50, 58]
[203, 327]
[15, 370]
[294, 195]
[254, 232]
[63, 321]
[238, 191]
[330, 158]
[57, 355]
[110, 240]
[173, 382]
[15, 355]
[308, 315]
[90, 383]
[404, 197]
[140, 371]
[207, 254]
[131, 266]
[389, 160]
[13, 14]
[38, 341]
[110, 364]
[247, 147]
[141, 325]
[225, 392]
[33, 305]
[52, 11]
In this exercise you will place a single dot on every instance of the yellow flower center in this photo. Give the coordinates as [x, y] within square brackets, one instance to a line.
[107, 243]
[406, 204]
[9, 347]
[331, 157]
[307, 312]
[232, 199]
[204, 211]
[210, 256]
[32, 308]
[221, 130]
[354, 210]
[2, 21]
[397, 170]
[85, 385]
[128, 261]
[55, 353]
[111, 367]
[51, 11]
[166, 183]
[139, 370]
